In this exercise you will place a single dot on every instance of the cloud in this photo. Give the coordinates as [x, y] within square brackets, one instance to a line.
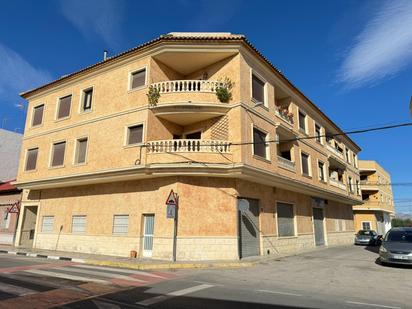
[96, 17]
[382, 49]
[17, 75]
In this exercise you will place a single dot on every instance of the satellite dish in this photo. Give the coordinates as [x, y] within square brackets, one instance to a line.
[243, 205]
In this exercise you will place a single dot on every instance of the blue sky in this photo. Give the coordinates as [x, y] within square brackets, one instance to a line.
[352, 58]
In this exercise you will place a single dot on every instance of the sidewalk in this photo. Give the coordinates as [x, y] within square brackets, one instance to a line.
[123, 262]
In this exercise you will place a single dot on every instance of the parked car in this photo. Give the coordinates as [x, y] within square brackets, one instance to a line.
[396, 246]
[367, 237]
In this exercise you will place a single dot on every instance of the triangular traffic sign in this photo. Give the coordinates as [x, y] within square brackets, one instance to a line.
[171, 199]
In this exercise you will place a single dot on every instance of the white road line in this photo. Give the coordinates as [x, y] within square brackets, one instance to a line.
[278, 292]
[15, 290]
[100, 273]
[372, 305]
[64, 276]
[160, 298]
[119, 270]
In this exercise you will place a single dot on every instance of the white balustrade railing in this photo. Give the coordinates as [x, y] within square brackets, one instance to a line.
[334, 150]
[188, 145]
[171, 86]
[337, 184]
[286, 163]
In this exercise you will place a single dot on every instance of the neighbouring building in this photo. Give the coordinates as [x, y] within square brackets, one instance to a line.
[251, 164]
[378, 209]
[10, 196]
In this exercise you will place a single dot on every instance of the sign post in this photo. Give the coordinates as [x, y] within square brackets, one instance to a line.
[172, 213]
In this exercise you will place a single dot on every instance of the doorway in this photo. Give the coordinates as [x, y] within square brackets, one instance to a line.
[248, 223]
[318, 218]
[28, 226]
[148, 229]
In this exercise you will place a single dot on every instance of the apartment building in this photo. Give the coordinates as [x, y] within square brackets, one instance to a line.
[257, 167]
[378, 209]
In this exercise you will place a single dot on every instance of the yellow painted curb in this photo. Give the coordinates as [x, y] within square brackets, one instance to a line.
[151, 266]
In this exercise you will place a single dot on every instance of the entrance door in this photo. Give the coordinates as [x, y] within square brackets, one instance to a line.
[380, 224]
[249, 243]
[318, 224]
[28, 227]
[148, 235]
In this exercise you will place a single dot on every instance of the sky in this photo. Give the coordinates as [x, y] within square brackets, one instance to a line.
[352, 58]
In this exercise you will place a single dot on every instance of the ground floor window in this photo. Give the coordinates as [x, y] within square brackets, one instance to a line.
[285, 220]
[120, 224]
[78, 224]
[47, 224]
[366, 225]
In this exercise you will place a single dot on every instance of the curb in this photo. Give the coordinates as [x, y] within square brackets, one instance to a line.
[43, 256]
[136, 265]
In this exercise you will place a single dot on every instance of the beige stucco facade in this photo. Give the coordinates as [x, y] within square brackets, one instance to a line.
[210, 174]
[377, 209]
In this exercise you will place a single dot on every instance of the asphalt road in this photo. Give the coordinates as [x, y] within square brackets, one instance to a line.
[345, 277]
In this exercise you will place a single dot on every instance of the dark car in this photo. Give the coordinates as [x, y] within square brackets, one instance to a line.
[367, 237]
[396, 246]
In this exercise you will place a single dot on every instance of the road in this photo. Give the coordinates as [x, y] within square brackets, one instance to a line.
[345, 277]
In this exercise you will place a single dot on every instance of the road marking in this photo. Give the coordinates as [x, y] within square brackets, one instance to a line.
[15, 290]
[99, 273]
[278, 292]
[64, 276]
[125, 271]
[371, 305]
[160, 298]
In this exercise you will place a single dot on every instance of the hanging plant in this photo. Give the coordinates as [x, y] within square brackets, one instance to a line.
[153, 95]
[224, 90]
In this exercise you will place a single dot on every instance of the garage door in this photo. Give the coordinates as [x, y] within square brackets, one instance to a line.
[249, 243]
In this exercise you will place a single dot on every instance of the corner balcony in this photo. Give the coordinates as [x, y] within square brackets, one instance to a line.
[189, 150]
[337, 184]
[188, 101]
[335, 152]
[287, 164]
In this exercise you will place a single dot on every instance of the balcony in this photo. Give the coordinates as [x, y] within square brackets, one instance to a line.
[337, 184]
[335, 152]
[188, 101]
[369, 186]
[285, 115]
[285, 163]
[195, 150]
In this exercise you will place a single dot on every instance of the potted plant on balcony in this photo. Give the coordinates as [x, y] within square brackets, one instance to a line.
[224, 90]
[153, 95]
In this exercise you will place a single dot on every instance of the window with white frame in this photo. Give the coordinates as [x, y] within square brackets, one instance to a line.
[31, 159]
[321, 171]
[258, 89]
[260, 147]
[120, 224]
[87, 99]
[47, 224]
[81, 150]
[138, 79]
[350, 183]
[79, 224]
[366, 225]
[305, 160]
[302, 121]
[285, 219]
[64, 106]
[37, 115]
[318, 133]
[358, 187]
[58, 151]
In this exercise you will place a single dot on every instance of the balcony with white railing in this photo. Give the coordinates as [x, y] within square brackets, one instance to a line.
[334, 151]
[284, 114]
[196, 150]
[185, 102]
[337, 184]
[285, 163]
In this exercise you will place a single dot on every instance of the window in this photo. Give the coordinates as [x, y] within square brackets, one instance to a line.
[305, 164]
[350, 184]
[31, 159]
[64, 107]
[87, 99]
[259, 143]
[358, 187]
[258, 89]
[138, 79]
[58, 154]
[37, 115]
[347, 155]
[321, 168]
[78, 224]
[47, 224]
[366, 225]
[120, 224]
[318, 133]
[302, 121]
[135, 134]
[285, 219]
[81, 150]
